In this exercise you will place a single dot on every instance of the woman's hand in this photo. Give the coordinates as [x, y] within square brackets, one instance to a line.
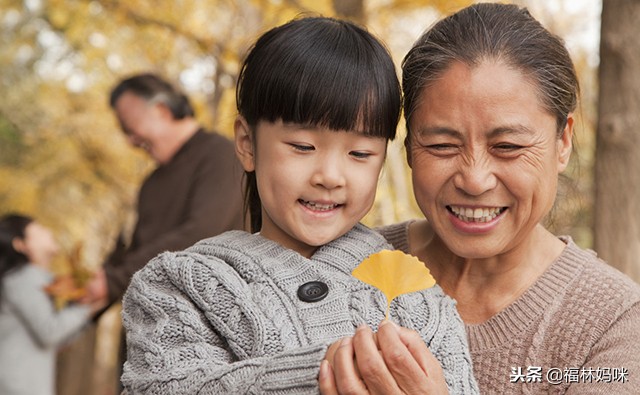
[393, 361]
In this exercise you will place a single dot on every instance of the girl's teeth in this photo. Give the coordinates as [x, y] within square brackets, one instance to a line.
[319, 207]
[476, 215]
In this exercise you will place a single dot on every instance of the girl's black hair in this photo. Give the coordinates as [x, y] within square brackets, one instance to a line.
[317, 71]
[11, 226]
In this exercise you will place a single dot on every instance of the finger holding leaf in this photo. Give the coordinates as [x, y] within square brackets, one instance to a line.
[395, 360]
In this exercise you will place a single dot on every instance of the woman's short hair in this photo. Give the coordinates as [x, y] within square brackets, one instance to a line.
[504, 32]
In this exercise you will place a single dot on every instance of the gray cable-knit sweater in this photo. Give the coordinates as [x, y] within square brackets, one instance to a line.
[224, 317]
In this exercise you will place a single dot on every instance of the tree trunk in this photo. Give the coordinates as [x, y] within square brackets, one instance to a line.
[617, 160]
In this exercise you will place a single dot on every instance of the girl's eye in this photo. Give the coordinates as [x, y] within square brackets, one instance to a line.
[302, 147]
[360, 154]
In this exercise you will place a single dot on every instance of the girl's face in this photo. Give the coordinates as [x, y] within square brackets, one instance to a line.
[38, 244]
[315, 184]
[485, 158]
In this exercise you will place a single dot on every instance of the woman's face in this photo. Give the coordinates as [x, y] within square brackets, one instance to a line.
[38, 244]
[485, 158]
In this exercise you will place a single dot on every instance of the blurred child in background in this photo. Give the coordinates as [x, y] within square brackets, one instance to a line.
[31, 328]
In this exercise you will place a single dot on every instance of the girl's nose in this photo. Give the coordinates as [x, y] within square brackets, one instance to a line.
[329, 174]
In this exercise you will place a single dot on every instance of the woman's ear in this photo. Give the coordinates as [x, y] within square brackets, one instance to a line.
[244, 144]
[565, 144]
[407, 148]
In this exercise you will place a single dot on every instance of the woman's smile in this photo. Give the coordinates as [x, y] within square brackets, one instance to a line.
[475, 220]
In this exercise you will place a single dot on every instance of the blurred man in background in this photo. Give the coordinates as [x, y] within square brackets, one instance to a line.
[194, 193]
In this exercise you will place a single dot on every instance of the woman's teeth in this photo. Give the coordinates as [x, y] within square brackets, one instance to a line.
[318, 206]
[477, 214]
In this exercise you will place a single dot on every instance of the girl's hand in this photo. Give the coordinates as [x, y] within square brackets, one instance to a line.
[393, 361]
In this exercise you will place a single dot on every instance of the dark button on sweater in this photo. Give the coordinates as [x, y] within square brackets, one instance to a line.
[313, 291]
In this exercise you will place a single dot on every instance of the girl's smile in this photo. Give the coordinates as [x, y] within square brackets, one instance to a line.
[318, 207]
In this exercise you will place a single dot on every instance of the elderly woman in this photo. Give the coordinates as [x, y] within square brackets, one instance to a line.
[490, 97]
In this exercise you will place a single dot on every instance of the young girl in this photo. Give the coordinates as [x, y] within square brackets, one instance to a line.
[318, 100]
[31, 329]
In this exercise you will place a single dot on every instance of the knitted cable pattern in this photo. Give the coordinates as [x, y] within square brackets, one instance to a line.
[224, 317]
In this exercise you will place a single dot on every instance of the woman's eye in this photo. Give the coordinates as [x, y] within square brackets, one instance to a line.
[302, 147]
[442, 149]
[508, 147]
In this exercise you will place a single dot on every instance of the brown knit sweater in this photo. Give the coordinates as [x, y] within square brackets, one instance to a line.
[576, 330]
[198, 194]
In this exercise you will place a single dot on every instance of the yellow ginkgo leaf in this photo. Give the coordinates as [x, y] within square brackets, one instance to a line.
[394, 273]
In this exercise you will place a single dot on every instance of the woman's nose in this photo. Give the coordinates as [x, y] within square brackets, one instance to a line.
[475, 177]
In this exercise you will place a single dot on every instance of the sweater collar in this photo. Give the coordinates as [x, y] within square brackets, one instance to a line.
[342, 254]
